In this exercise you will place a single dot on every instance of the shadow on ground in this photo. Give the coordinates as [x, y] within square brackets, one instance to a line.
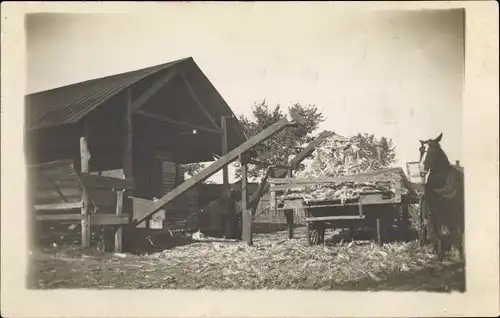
[439, 278]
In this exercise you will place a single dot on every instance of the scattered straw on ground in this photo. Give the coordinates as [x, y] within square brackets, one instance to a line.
[273, 262]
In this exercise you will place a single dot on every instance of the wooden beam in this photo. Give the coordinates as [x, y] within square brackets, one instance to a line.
[127, 138]
[76, 217]
[219, 164]
[289, 213]
[335, 217]
[85, 213]
[59, 206]
[225, 172]
[199, 103]
[128, 151]
[177, 122]
[306, 181]
[246, 233]
[141, 100]
[119, 213]
[96, 219]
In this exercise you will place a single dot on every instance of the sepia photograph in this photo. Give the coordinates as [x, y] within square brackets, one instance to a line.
[334, 164]
[254, 150]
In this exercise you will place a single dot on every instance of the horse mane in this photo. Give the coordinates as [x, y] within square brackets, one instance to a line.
[442, 161]
[444, 180]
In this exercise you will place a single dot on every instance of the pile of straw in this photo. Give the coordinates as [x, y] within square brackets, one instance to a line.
[273, 262]
[339, 157]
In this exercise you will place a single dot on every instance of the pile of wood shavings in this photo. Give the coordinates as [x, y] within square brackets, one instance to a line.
[273, 262]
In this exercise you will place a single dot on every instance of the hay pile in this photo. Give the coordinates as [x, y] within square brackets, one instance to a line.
[338, 156]
[273, 262]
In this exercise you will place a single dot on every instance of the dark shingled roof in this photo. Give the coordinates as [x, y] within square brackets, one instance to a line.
[69, 104]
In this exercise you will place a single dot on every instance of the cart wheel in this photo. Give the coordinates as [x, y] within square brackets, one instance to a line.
[315, 233]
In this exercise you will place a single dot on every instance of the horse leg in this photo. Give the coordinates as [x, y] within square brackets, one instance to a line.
[438, 241]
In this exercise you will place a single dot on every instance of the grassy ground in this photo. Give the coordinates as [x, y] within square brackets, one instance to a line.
[273, 262]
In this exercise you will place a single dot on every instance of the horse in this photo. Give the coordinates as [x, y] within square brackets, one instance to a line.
[443, 195]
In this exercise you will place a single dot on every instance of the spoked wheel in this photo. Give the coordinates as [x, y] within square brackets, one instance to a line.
[316, 233]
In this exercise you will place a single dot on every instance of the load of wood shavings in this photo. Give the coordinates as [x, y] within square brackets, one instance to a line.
[338, 156]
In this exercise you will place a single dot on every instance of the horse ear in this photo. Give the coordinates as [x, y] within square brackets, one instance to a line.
[438, 139]
[422, 142]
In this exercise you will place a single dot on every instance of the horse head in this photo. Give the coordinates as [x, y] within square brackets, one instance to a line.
[431, 155]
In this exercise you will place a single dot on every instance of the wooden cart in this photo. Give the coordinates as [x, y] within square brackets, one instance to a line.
[381, 210]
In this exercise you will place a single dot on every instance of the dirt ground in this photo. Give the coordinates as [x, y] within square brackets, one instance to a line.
[273, 262]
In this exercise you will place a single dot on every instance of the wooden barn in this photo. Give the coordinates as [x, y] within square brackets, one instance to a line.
[140, 125]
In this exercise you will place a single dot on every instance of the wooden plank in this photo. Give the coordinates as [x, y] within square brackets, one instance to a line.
[76, 217]
[177, 122]
[85, 213]
[127, 138]
[246, 233]
[119, 213]
[141, 100]
[224, 144]
[379, 237]
[102, 182]
[52, 165]
[333, 205]
[333, 218]
[219, 164]
[292, 182]
[199, 103]
[289, 213]
[95, 219]
[59, 206]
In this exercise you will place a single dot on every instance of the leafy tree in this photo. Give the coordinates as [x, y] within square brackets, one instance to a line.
[285, 144]
[387, 151]
[192, 169]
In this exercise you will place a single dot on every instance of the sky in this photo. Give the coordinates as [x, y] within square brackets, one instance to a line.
[397, 74]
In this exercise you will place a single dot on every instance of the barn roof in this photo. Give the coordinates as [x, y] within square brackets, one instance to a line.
[69, 104]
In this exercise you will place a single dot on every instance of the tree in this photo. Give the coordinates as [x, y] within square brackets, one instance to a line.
[388, 151]
[192, 169]
[285, 144]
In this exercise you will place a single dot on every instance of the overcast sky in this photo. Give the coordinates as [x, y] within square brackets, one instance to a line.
[397, 74]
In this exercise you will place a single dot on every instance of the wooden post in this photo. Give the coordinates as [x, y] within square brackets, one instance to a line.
[225, 176]
[289, 214]
[85, 222]
[379, 234]
[229, 224]
[119, 211]
[127, 152]
[246, 212]
[127, 138]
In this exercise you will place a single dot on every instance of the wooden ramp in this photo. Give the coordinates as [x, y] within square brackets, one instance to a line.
[222, 162]
[58, 191]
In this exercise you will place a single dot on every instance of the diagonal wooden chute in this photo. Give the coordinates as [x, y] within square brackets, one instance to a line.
[223, 161]
[280, 172]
